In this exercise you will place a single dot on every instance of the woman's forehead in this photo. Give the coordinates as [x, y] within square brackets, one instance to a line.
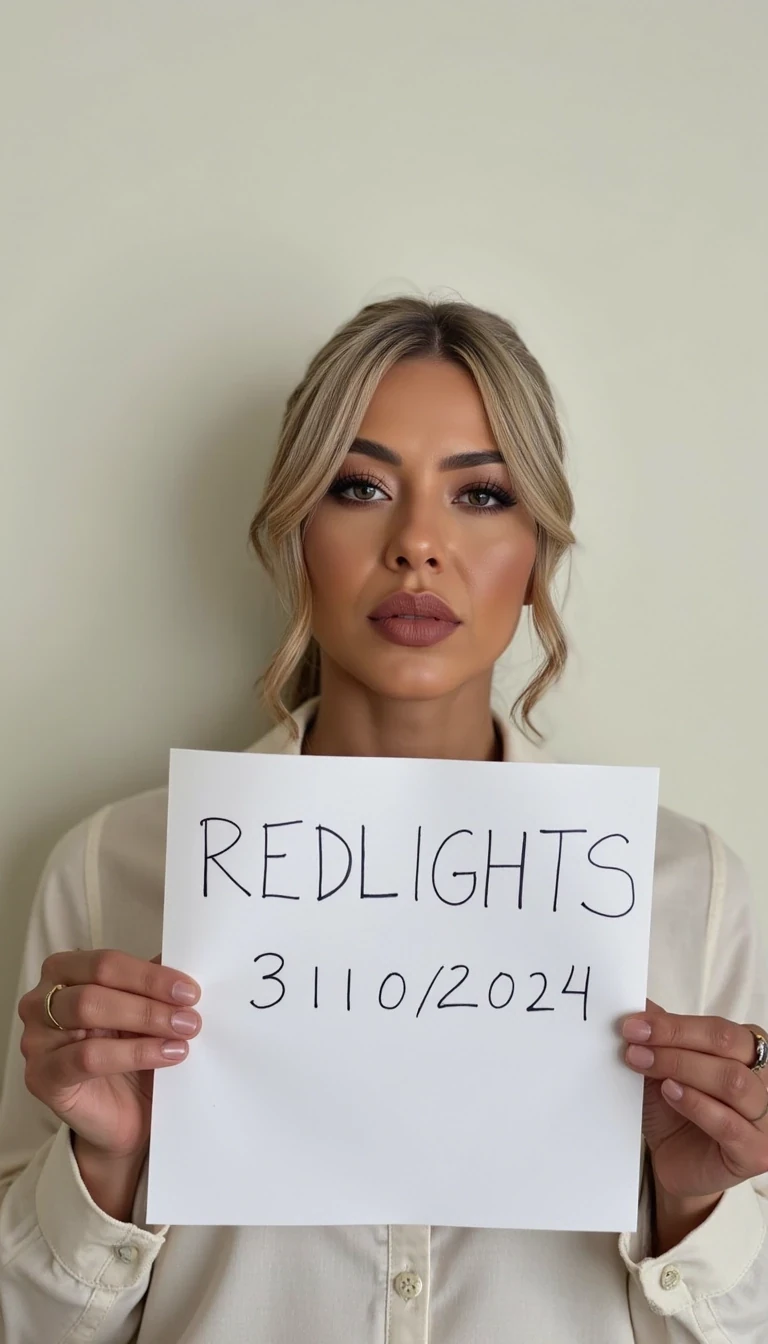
[427, 404]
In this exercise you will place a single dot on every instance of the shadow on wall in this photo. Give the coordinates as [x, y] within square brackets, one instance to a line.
[213, 596]
[235, 600]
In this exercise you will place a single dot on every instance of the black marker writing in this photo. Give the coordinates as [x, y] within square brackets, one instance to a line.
[520, 866]
[393, 975]
[534, 1006]
[375, 895]
[214, 858]
[392, 991]
[421, 863]
[321, 831]
[418, 862]
[583, 992]
[273, 975]
[503, 975]
[456, 873]
[441, 1003]
[429, 986]
[578, 830]
[609, 867]
[268, 826]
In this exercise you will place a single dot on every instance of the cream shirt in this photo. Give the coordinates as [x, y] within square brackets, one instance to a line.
[69, 1273]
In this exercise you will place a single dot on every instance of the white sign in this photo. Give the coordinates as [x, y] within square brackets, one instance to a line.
[413, 973]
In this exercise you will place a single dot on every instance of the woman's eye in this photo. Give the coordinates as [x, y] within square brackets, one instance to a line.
[357, 490]
[487, 498]
[362, 491]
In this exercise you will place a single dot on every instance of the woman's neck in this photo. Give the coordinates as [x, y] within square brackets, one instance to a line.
[353, 721]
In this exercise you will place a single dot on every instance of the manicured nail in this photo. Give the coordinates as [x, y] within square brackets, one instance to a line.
[184, 992]
[636, 1029]
[640, 1056]
[174, 1049]
[671, 1089]
[185, 1023]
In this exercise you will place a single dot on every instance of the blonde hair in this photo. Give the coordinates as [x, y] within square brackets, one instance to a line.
[321, 418]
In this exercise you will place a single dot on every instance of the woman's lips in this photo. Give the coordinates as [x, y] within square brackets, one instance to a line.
[414, 619]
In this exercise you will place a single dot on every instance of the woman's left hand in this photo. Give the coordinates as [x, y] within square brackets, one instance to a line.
[705, 1117]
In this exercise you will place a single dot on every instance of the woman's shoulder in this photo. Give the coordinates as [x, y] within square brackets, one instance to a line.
[683, 850]
[106, 874]
[694, 867]
[112, 866]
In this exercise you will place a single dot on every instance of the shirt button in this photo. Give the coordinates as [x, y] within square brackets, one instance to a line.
[127, 1254]
[670, 1276]
[408, 1284]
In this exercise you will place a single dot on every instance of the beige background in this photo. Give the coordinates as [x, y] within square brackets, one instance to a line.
[195, 194]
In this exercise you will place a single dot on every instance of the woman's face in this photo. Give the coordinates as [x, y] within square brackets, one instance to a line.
[423, 508]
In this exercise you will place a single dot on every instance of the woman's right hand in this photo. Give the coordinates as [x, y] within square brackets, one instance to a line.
[122, 1018]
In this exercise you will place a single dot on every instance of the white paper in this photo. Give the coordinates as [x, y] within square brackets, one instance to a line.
[333, 1108]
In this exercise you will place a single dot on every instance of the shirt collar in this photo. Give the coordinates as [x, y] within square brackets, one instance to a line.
[279, 741]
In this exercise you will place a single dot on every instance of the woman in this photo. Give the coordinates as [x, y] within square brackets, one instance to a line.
[420, 466]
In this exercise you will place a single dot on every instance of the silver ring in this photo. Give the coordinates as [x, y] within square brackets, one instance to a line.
[761, 1049]
[48, 1013]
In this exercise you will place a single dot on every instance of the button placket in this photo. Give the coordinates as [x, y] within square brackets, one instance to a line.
[408, 1294]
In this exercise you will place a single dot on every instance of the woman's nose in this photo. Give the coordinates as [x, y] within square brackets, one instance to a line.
[414, 542]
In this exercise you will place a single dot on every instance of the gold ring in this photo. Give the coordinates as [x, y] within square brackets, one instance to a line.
[761, 1047]
[48, 1013]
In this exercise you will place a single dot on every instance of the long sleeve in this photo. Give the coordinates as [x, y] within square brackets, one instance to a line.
[67, 1270]
[713, 1286]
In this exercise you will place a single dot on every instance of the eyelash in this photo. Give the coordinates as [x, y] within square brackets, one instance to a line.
[504, 500]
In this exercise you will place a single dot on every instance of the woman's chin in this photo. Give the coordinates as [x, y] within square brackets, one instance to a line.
[416, 683]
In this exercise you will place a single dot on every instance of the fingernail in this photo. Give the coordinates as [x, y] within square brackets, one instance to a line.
[184, 992]
[185, 1023]
[636, 1029]
[671, 1089]
[639, 1055]
[174, 1049]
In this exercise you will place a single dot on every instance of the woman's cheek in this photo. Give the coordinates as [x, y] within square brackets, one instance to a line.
[335, 554]
[499, 582]
[503, 567]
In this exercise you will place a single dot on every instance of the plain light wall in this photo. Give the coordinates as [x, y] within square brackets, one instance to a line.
[196, 194]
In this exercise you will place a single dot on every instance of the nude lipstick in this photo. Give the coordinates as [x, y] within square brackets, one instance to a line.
[416, 620]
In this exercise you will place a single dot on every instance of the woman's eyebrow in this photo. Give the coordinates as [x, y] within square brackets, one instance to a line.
[475, 458]
[478, 458]
[370, 448]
